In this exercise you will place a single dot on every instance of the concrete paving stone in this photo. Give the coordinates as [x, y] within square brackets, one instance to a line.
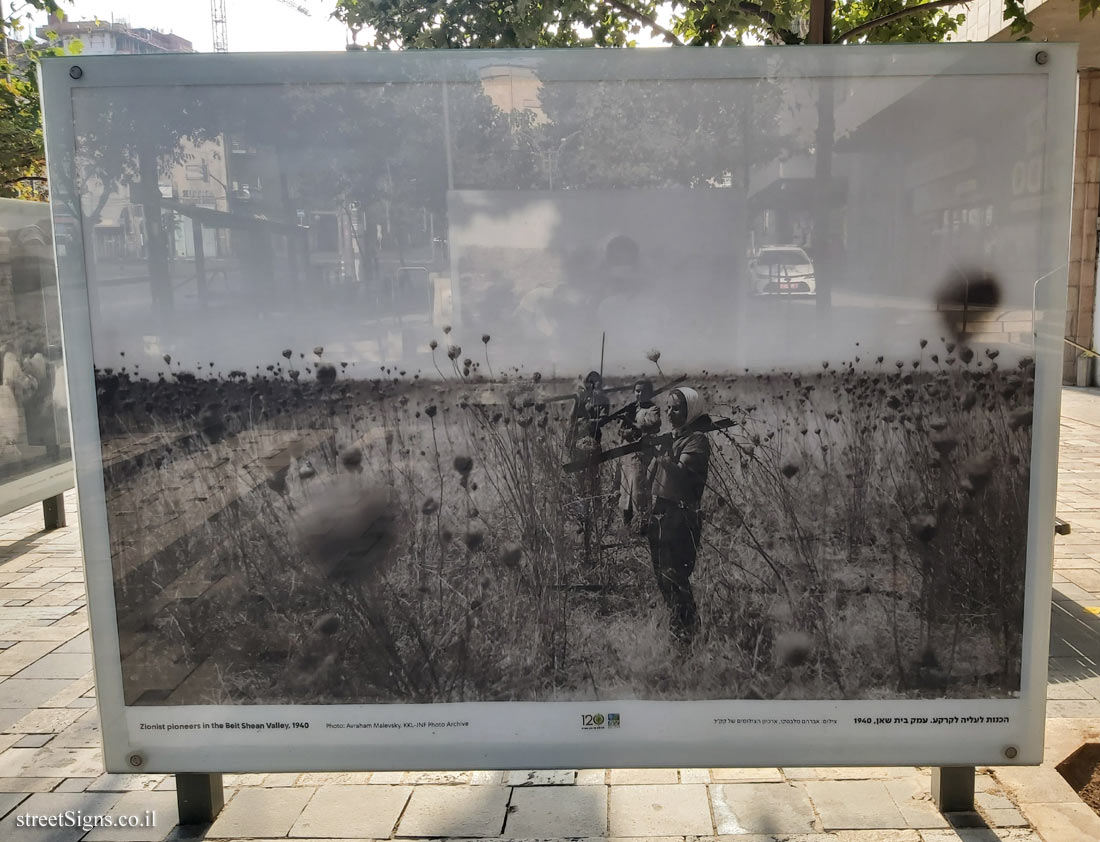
[1065, 821]
[591, 777]
[990, 801]
[10, 800]
[540, 777]
[854, 805]
[454, 811]
[9, 740]
[256, 812]
[558, 812]
[1074, 708]
[281, 779]
[59, 598]
[73, 785]
[621, 777]
[877, 836]
[1028, 784]
[695, 776]
[38, 576]
[124, 783]
[660, 810]
[913, 797]
[46, 721]
[767, 775]
[243, 780]
[29, 693]
[52, 614]
[1004, 818]
[352, 811]
[324, 778]
[15, 760]
[1067, 689]
[759, 837]
[57, 665]
[1090, 685]
[1065, 736]
[56, 804]
[984, 834]
[156, 811]
[28, 784]
[61, 762]
[83, 702]
[1070, 593]
[9, 716]
[31, 740]
[1087, 578]
[761, 808]
[57, 634]
[83, 733]
[168, 784]
[388, 778]
[485, 778]
[841, 773]
[437, 778]
[79, 645]
[70, 694]
[9, 593]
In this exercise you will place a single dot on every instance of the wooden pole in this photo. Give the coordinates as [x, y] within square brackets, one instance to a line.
[821, 22]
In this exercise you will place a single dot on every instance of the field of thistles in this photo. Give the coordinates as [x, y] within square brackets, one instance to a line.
[313, 532]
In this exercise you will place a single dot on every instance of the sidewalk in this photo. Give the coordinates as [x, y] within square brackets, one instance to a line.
[50, 759]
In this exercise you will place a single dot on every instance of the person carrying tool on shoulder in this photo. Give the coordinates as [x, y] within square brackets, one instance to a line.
[680, 470]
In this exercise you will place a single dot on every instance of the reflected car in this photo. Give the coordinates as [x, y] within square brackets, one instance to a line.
[782, 270]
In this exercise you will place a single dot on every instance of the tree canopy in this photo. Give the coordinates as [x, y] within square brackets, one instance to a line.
[22, 155]
[617, 23]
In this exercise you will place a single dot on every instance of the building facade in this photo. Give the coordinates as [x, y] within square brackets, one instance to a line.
[111, 38]
[1059, 20]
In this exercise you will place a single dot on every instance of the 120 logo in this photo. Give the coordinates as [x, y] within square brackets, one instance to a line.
[597, 721]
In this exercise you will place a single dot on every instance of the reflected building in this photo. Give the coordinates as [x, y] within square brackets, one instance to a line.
[1060, 20]
[111, 38]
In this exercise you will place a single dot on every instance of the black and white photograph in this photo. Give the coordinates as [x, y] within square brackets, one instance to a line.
[529, 387]
[34, 433]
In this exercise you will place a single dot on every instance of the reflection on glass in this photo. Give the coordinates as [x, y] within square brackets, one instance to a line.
[34, 433]
[365, 357]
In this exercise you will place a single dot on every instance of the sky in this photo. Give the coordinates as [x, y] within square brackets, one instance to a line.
[253, 25]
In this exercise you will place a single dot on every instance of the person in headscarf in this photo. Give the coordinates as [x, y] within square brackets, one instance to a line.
[675, 527]
[642, 419]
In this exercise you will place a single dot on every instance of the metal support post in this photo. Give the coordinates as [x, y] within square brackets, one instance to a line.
[53, 511]
[953, 788]
[199, 797]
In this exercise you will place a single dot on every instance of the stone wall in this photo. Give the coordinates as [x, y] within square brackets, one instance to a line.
[1080, 303]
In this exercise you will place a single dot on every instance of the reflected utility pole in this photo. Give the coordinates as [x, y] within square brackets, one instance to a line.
[821, 32]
